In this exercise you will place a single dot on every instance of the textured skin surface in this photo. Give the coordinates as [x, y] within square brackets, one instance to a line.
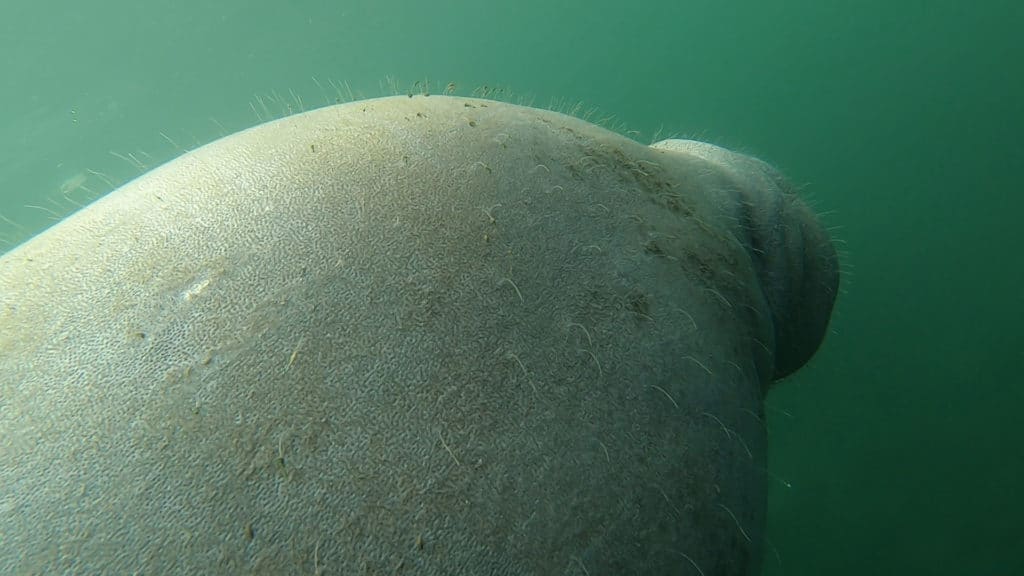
[428, 335]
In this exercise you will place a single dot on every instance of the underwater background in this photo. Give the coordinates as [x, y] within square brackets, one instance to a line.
[898, 449]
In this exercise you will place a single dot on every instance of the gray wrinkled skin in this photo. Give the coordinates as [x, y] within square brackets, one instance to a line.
[429, 335]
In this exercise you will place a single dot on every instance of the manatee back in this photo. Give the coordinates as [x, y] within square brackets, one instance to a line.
[438, 335]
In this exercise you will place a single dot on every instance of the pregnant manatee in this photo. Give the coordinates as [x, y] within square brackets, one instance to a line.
[428, 335]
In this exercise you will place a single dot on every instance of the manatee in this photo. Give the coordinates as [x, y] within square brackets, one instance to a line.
[408, 335]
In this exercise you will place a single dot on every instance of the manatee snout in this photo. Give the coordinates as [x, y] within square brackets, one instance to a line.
[802, 294]
[791, 252]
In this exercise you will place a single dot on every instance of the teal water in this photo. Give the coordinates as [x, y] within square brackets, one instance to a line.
[897, 450]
